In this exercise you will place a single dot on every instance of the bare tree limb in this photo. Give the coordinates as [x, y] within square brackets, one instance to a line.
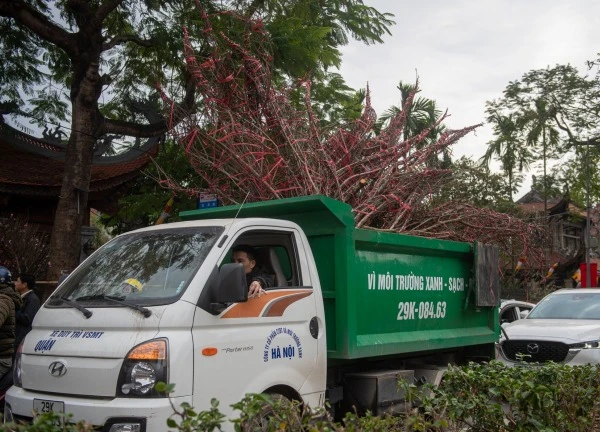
[572, 138]
[39, 24]
[183, 109]
[565, 128]
[121, 39]
[139, 130]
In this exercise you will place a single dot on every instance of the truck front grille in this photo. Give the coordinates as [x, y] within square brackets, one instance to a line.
[532, 351]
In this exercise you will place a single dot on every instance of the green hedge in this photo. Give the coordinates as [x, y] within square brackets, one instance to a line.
[478, 397]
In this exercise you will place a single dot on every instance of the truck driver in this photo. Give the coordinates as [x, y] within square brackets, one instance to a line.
[256, 277]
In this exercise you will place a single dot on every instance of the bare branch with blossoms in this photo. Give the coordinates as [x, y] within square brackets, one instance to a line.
[23, 247]
[248, 141]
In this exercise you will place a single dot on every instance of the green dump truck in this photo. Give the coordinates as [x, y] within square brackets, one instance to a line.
[345, 313]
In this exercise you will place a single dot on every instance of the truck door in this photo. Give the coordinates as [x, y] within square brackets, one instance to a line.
[265, 343]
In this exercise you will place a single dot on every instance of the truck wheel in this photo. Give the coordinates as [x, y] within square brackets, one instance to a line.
[260, 422]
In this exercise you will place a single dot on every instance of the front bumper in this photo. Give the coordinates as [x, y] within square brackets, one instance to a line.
[101, 413]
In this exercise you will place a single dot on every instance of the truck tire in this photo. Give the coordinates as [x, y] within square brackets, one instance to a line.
[260, 422]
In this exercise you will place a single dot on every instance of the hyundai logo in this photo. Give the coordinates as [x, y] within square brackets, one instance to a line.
[533, 348]
[57, 369]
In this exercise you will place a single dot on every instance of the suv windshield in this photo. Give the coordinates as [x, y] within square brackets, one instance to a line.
[582, 305]
[145, 268]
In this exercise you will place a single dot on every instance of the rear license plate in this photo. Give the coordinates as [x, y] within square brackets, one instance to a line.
[43, 406]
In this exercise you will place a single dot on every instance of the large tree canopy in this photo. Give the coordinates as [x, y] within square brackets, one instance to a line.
[551, 114]
[476, 184]
[83, 62]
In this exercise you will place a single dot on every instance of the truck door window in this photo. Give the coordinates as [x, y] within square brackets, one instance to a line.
[285, 263]
[275, 254]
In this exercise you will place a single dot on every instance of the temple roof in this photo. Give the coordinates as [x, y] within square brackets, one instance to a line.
[35, 166]
[533, 202]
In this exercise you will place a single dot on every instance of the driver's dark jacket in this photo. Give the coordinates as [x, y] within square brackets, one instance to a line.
[261, 276]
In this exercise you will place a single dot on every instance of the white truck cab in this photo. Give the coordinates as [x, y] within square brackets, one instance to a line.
[99, 345]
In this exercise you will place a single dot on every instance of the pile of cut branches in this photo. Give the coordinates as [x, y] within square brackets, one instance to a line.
[248, 141]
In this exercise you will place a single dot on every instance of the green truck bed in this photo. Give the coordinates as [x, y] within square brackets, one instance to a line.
[387, 293]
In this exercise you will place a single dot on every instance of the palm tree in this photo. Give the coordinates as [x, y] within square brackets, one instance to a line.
[422, 115]
[541, 133]
[507, 148]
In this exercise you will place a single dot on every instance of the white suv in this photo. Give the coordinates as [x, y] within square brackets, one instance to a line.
[564, 327]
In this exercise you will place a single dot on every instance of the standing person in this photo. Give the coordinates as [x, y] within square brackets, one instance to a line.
[256, 277]
[10, 302]
[31, 304]
[62, 277]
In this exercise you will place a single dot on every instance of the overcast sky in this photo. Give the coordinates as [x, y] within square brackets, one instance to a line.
[465, 52]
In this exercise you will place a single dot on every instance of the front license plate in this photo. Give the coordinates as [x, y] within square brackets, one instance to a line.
[42, 406]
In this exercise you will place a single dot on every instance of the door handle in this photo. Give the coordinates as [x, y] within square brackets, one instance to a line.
[314, 327]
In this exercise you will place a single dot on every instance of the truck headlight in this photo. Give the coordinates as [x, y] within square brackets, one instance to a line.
[586, 345]
[17, 367]
[144, 366]
[143, 377]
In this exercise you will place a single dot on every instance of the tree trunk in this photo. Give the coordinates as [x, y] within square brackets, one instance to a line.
[73, 200]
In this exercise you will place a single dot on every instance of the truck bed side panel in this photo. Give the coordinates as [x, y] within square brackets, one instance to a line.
[384, 293]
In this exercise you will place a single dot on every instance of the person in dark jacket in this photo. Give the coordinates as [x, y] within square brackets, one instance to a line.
[257, 278]
[31, 304]
[10, 302]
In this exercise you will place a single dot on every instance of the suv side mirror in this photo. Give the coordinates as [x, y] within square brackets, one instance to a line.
[231, 286]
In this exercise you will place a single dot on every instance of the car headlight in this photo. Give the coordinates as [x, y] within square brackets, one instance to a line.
[586, 345]
[144, 366]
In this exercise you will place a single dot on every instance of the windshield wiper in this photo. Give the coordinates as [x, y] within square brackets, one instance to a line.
[119, 300]
[86, 312]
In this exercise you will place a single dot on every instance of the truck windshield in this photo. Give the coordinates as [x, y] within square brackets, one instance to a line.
[144, 268]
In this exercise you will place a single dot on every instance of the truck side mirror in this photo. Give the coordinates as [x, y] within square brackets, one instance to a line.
[231, 286]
